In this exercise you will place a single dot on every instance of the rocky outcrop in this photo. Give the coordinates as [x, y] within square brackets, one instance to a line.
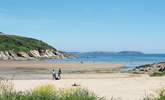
[34, 53]
[30, 55]
[149, 68]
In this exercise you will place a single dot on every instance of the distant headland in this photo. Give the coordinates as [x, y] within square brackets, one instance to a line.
[14, 47]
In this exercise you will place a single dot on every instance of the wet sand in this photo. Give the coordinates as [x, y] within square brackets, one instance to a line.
[42, 69]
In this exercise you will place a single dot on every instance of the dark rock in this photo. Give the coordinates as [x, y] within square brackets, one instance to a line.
[159, 67]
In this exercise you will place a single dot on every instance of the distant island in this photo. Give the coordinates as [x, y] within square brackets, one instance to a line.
[14, 47]
[130, 52]
[108, 53]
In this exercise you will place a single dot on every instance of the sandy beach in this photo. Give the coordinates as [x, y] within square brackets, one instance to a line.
[118, 85]
[104, 79]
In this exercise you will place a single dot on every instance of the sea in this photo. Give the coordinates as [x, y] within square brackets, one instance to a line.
[129, 60]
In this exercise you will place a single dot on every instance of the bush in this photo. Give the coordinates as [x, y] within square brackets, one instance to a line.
[160, 96]
[45, 92]
[155, 74]
[78, 94]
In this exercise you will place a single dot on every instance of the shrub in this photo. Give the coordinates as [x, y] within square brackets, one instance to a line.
[160, 95]
[6, 90]
[154, 74]
[78, 94]
[45, 92]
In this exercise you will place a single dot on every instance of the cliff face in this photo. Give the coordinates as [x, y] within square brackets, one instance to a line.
[31, 55]
[22, 48]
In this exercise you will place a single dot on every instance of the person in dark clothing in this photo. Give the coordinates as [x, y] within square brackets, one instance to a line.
[59, 73]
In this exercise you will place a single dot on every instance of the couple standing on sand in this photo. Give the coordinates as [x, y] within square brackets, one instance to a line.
[58, 75]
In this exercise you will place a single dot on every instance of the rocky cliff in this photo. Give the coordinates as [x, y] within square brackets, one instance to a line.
[31, 55]
[22, 48]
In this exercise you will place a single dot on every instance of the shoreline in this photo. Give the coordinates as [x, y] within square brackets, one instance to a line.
[42, 69]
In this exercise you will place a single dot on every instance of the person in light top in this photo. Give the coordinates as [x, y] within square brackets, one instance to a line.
[54, 74]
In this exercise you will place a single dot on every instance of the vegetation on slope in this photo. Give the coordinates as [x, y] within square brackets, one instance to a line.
[19, 43]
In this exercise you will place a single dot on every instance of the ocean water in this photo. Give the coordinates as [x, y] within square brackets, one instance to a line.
[129, 60]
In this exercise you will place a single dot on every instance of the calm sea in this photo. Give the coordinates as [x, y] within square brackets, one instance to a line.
[130, 60]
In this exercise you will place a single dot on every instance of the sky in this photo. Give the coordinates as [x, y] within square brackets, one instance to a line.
[88, 25]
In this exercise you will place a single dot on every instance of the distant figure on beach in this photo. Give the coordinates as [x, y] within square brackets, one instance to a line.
[81, 62]
[59, 73]
[53, 74]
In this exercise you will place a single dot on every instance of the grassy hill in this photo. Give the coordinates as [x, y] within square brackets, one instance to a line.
[19, 43]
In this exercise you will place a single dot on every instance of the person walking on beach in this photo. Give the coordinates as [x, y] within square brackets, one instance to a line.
[59, 73]
[53, 74]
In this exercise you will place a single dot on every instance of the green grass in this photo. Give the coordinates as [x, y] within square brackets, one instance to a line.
[78, 94]
[156, 74]
[19, 43]
[45, 92]
[160, 95]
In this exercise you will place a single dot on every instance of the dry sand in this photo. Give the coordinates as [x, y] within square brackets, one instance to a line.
[117, 85]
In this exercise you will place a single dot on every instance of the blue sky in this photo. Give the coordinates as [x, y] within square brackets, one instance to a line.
[88, 25]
